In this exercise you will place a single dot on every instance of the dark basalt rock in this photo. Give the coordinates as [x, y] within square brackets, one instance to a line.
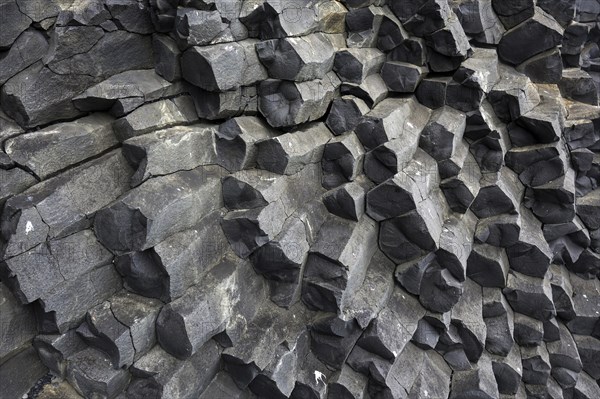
[262, 199]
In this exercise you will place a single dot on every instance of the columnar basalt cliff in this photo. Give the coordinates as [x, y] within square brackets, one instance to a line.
[305, 199]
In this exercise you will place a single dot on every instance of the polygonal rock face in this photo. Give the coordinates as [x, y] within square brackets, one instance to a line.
[222, 67]
[298, 59]
[533, 36]
[286, 104]
[300, 199]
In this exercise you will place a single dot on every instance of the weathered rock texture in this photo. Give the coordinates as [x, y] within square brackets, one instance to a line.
[343, 199]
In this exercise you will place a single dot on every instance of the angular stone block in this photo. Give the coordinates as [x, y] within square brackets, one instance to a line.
[537, 34]
[413, 50]
[353, 65]
[362, 25]
[536, 364]
[198, 27]
[531, 254]
[553, 202]
[480, 71]
[390, 158]
[372, 90]
[470, 326]
[345, 114]
[223, 384]
[297, 58]
[162, 375]
[334, 270]
[530, 296]
[236, 142]
[513, 95]
[429, 17]
[249, 229]
[281, 261]
[585, 308]
[104, 332]
[479, 20]
[53, 96]
[538, 164]
[14, 181]
[33, 273]
[170, 150]
[166, 57]
[222, 67]
[155, 116]
[365, 306]
[391, 119]
[579, 86]
[587, 348]
[391, 33]
[401, 77]
[186, 324]
[452, 253]
[499, 334]
[285, 20]
[332, 340]
[401, 193]
[508, 372]
[29, 48]
[111, 94]
[285, 103]
[499, 231]
[432, 91]
[289, 153]
[546, 67]
[415, 233]
[65, 305]
[488, 265]
[50, 150]
[514, 12]
[63, 205]
[221, 105]
[388, 334]
[460, 191]
[479, 381]
[142, 224]
[451, 40]
[55, 350]
[342, 160]
[528, 331]
[347, 384]
[442, 139]
[173, 265]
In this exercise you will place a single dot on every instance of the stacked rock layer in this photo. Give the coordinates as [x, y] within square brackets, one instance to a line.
[300, 199]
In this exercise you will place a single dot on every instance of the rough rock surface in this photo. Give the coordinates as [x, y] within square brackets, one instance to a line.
[311, 199]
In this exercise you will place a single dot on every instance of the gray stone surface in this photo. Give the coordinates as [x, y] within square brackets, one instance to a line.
[290, 152]
[298, 59]
[335, 270]
[170, 150]
[134, 223]
[222, 67]
[237, 142]
[191, 248]
[49, 150]
[185, 325]
[63, 205]
[390, 119]
[285, 104]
